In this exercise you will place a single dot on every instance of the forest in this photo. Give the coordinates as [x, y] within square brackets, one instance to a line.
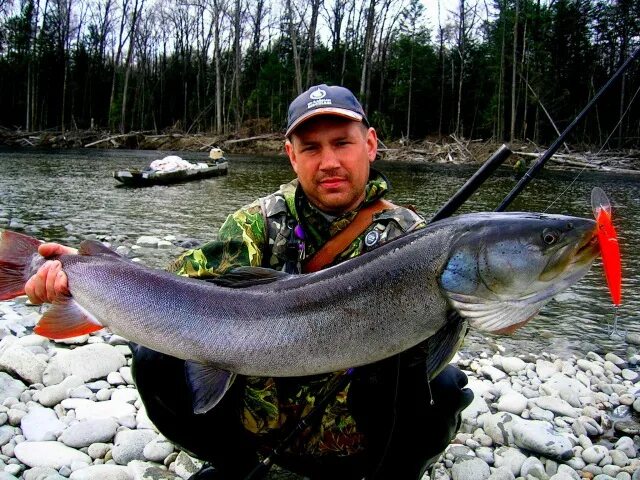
[505, 70]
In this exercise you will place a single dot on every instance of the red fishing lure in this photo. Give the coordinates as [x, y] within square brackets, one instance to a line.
[609, 247]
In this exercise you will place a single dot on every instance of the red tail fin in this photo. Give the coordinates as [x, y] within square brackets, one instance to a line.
[17, 255]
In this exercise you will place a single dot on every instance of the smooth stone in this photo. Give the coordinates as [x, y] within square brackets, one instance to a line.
[185, 465]
[626, 445]
[149, 471]
[594, 454]
[512, 364]
[555, 405]
[89, 431]
[54, 394]
[493, 373]
[41, 424]
[88, 409]
[23, 363]
[545, 369]
[10, 387]
[509, 457]
[158, 449]
[568, 471]
[536, 436]
[470, 469]
[98, 450]
[502, 473]
[102, 472]
[89, 362]
[129, 445]
[512, 402]
[126, 395]
[7, 432]
[48, 454]
[628, 427]
[147, 241]
[39, 473]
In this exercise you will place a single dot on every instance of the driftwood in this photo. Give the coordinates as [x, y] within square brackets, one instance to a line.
[592, 161]
[268, 136]
[113, 138]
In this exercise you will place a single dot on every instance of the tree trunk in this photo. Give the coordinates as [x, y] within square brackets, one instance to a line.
[132, 43]
[294, 45]
[366, 60]
[461, 53]
[311, 40]
[238, 62]
[512, 131]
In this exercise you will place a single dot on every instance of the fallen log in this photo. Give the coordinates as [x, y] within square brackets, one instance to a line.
[268, 136]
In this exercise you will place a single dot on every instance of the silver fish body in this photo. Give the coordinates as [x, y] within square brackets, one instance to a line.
[494, 270]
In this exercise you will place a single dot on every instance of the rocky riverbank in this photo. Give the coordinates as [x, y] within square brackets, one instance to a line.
[70, 410]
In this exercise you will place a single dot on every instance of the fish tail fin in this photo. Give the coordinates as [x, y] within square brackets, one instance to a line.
[17, 255]
[66, 318]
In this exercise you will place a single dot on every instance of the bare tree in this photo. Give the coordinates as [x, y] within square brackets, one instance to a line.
[514, 67]
[237, 54]
[366, 55]
[311, 39]
[133, 25]
[121, 40]
[293, 34]
[466, 23]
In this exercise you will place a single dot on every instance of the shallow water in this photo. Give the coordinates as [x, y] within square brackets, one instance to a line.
[69, 195]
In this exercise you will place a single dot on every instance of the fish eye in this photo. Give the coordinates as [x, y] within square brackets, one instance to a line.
[550, 236]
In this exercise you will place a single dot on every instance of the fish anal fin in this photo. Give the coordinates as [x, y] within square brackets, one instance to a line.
[208, 385]
[248, 276]
[65, 319]
[93, 247]
[19, 259]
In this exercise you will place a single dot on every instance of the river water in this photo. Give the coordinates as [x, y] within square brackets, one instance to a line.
[70, 195]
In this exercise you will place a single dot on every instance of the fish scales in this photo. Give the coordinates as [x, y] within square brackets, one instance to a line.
[285, 328]
[493, 271]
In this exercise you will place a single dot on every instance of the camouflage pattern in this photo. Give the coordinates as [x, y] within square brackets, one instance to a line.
[258, 235]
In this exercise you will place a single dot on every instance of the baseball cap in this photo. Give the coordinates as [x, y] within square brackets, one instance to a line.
[324, 100]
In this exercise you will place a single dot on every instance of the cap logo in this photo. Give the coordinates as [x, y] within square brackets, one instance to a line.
[317, 94]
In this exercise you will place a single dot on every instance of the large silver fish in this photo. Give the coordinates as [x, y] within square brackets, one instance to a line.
[491, 271]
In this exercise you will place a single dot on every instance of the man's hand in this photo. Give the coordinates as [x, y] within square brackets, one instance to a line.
[49, 282]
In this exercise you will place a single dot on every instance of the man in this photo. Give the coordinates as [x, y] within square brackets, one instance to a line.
[385, 420]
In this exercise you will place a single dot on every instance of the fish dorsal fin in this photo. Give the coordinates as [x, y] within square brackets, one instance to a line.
[93, 247]
[208, 385]
[494, 316]
[248, 276]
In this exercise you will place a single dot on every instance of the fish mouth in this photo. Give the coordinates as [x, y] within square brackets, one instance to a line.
[590, 248]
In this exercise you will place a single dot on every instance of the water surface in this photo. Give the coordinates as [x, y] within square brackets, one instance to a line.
[70, 195]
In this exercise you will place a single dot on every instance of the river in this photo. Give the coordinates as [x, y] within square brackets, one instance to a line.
[70, 195]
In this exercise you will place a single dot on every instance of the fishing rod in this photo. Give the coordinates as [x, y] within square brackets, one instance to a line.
[528, 176]
[477, 179]
[487, 169]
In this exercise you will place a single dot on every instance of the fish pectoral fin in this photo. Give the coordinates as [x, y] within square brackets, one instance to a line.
[93, 247]
[208, 385]
[499, 317]
[66, 318]
[248, 276]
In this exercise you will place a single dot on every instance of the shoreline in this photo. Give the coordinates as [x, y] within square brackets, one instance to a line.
[547, 417]
[446, 150]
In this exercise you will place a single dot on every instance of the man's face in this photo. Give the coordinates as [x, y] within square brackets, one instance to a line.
[331, 157]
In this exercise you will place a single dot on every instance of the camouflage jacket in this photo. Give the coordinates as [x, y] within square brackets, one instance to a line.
[260, 234]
